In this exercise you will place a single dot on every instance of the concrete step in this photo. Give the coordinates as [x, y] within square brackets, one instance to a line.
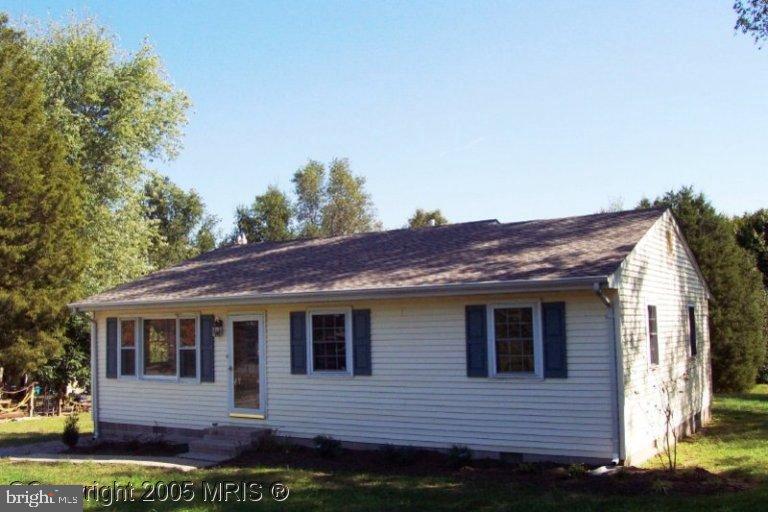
[240, 434]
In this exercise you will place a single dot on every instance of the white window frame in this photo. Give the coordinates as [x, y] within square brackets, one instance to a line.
[647, 318]
[136, 348]
[177, 377]
[538, 340]
[347, 312]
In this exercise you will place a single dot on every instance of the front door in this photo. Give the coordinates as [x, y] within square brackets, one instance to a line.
[247, 368]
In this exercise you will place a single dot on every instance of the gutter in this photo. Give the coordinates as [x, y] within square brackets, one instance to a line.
[521, 285]
[615, 372]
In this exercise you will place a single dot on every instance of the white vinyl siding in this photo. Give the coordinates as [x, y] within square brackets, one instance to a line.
[659, 272]
[419, 392]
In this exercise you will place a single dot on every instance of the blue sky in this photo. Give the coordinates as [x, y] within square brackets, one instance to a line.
[508, 110]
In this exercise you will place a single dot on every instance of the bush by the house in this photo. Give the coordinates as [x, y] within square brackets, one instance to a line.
[459, 456]
[269, 442]
[577, 470]
[71, 434]
[327, 447]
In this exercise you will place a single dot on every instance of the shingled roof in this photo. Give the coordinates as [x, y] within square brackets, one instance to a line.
[454, 256]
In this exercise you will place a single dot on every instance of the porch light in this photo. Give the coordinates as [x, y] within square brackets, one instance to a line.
[218, 327]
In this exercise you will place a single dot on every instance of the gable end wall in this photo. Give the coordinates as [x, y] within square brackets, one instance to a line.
[660, 272]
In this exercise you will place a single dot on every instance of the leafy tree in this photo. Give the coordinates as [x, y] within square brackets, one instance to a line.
[424, 218]
[208, 234]
[73, 365]
[752, 235]
[615, 204]
[737, 309]
[752, 18]
[41, 213]
[268, 219]
[348, 207]
[309, 186]
[327, 204]
[116, 112]
[184, 228]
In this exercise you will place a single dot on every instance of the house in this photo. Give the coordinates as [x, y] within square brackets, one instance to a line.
[560, 339]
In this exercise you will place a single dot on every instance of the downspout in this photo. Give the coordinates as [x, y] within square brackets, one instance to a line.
[94, 371]
[614, 371]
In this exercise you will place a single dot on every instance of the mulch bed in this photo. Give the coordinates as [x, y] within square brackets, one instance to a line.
[156, 448]
[628, 481]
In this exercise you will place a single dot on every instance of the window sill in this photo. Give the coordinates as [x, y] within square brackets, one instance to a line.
[517, 376]
[176, 380]
[331, 375]
[247, 416]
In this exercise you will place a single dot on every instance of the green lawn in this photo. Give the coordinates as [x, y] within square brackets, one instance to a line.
[20, 431]
[735, 445]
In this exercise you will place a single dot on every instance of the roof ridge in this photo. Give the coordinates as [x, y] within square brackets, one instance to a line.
[660, 209]
[362, 233]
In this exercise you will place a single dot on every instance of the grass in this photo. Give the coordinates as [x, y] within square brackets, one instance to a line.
[736, 441]
[735, 445]
[24, 430]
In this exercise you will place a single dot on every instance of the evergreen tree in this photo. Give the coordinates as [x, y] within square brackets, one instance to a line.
[41, 256]
[425, 218]
[738, 306]
[752, 235]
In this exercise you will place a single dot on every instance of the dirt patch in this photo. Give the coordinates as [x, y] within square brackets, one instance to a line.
[627, 481]
[155, 448]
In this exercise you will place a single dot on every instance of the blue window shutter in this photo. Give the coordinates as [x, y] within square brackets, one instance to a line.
[298, 342]
[207, 350]
[555, 354]
[477, 341]
[111, 348]
[361, 341]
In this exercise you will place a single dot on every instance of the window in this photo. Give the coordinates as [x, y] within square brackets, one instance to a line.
[127, 347]
[514, 340]
[329, 339]
[692, 329]
[170, 347]
[160, 347]
[653, 335]
[188, 348]
[513, 328]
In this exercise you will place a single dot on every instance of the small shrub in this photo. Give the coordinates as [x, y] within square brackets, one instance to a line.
[459, 456]
[398, 455]
[71, 434]
[577, 470]
[327, 447]
[269, 442]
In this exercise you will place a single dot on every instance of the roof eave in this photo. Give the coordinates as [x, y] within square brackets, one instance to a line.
[526, 285]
